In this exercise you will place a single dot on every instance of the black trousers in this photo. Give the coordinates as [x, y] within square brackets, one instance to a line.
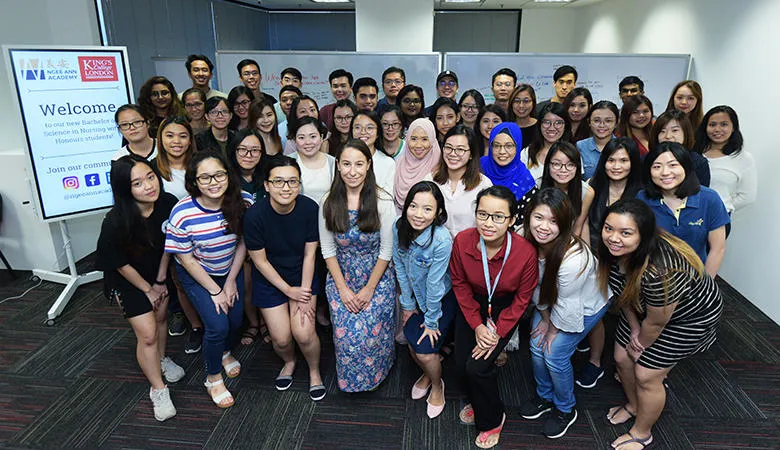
[479, 377]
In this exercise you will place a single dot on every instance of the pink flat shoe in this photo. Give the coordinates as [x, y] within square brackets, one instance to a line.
[433, 410]
[418, 393]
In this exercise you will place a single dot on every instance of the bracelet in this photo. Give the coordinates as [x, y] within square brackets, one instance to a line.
[214, 295]
[160, 282]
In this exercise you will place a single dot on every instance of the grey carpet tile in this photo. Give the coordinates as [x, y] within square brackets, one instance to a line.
[704, 388]
[22, 400]
[709, 433]
[741, 340]
[68, 353]
[18, 344]
[264, 419]
[761, 382]
[83, 416]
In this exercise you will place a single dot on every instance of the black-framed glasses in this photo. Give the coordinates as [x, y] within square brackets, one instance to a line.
[553, 123]
[194, 105]
[411, 101]
[205, 179]
[248, 151]
[498, 219]
[391, 126]
[457, 151]
[569, 166]
[219, 113]
[470, 107]
[134, 124]
[279, 183]
[243, 103]
[448, 83]
[344, 119]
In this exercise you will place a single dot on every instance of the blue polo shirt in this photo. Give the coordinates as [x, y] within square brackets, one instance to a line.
[703, 212]
[590, 155]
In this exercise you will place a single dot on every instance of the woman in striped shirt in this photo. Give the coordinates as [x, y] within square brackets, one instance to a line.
[670, 309]
[204, 234]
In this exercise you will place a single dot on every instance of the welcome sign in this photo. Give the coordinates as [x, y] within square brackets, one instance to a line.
[67, 98]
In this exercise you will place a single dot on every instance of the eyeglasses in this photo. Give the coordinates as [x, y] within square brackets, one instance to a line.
[391, 126]
[448, 83]
[279, 183]
[608, 122]
[243, 104]
[219, 113]
[394, 82]
[411, 101]
[252, 73]
[361, 128]
[194, 105]
[554, 124]
[498, 219]
[470, 107]
[558, 166]
[506, 147]
[134, 124]
[343, 118]
[522, 101]
[205, 179]
[158, 94]
[457, 151]
[248, 151]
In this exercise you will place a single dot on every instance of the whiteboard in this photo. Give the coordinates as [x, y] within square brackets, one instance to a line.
[421, 69]
[600, 73]
[67, 97]
[175, 71]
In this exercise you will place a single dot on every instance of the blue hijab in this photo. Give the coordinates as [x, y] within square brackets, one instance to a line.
[514, 175]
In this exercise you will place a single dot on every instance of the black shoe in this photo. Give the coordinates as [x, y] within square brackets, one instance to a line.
[194, 341]
[584, 345]
[535, 407]
[177, 324]
[589, 376]
[558, 423]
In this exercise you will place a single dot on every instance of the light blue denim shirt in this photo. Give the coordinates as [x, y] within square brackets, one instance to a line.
[422, 272]
[590, 155]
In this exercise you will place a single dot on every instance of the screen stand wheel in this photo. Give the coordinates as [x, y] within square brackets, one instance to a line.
[71, 281]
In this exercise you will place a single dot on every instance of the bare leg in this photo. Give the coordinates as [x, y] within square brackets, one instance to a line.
[651, 397]
[596, 341]
[161, 317]
[146, 331]
[431, 365]
[278, 321]
[625, 367]
[424, 380]
[305, 334]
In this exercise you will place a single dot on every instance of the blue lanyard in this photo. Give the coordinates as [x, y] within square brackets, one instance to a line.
[492, 289]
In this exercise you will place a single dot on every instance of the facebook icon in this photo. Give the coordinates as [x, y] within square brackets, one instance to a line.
[92, 179]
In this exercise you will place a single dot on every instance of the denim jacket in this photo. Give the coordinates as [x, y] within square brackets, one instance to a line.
[422, 272]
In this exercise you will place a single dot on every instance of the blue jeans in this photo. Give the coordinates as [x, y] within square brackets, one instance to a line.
[552, 371]
[220, 330]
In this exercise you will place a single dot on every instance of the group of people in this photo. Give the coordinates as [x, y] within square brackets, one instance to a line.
[439, 228]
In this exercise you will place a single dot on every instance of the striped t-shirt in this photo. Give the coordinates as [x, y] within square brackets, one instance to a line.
[202, 232]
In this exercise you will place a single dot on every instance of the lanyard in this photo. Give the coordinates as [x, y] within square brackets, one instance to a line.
[492, 289]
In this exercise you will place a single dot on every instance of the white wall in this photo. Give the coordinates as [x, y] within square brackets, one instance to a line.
[25, 240]
[394, 26]
[547, 30]
[734, 46]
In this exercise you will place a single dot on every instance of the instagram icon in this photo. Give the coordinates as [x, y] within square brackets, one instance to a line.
[70, 183]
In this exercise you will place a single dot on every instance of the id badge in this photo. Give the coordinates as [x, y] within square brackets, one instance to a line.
[491, 325]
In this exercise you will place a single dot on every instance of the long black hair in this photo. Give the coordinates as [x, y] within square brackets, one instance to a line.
[335, 209]
[689, 186]
[232, 97]
[538, 142]
[233, 205]
[293, 119]
[406, 234]
[134, 237]
[574, 188]
[232, 150]
[600, 182]
[733, 145]
[564, 214]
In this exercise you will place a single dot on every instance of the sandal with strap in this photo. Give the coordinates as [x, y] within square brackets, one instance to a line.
[249, 335]
[466, 415]
[644, 442]
[489, 439]
[611, 416]
[220, 398]
[233, 369]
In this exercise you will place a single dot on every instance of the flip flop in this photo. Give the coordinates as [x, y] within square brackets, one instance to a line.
[616, 412]
[644, 442]
[466, 415]
[489, 439]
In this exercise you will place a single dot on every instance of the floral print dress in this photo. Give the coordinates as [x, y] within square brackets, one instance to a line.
[365, 349]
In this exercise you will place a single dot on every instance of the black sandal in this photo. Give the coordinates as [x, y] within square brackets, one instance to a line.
[248, 334]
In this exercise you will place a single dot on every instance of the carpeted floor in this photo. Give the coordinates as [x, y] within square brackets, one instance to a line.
[77, 385]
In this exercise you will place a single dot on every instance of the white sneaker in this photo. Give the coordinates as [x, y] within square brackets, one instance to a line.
[170, 370]
[163, 406]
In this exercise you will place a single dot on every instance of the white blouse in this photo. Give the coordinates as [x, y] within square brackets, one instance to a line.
[734, 178]
[460, 205]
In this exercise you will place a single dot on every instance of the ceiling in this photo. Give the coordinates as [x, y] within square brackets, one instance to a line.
[438, 5]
